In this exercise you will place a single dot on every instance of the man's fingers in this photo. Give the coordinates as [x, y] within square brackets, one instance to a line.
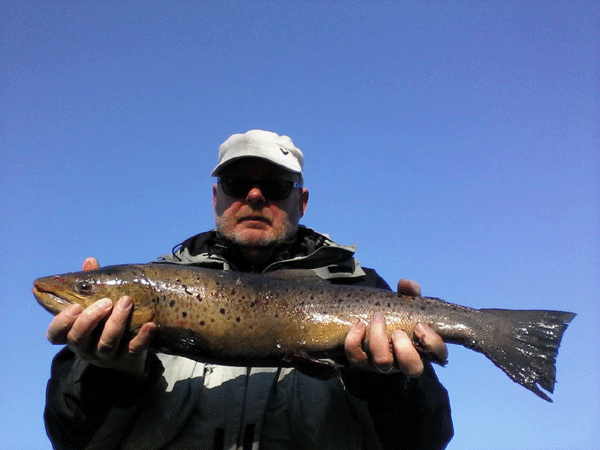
[114, 328]
[379, 344]
[142, 340]
[407, 356]
[62, 323]
[78, 337]
[98, 333]
[409, 287]
[90, 263]
[352, 344]
[431, 343]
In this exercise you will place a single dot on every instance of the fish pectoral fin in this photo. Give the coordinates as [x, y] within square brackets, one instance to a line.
[320, 368]
[176, 341]
[141, 315]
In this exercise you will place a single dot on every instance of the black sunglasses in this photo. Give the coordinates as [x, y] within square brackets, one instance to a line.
[272, 189]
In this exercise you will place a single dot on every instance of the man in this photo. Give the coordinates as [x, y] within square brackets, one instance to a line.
[108, 392]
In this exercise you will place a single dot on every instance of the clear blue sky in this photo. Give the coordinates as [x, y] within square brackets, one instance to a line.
[456, 142]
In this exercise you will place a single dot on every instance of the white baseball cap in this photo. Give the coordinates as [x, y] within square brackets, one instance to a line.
[279, 150]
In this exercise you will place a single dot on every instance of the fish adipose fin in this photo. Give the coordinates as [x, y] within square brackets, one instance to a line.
[526, 351]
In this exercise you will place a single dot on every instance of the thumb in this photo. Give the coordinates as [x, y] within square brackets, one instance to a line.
[90, 263]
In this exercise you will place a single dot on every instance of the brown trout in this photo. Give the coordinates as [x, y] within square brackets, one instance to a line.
[247, 319]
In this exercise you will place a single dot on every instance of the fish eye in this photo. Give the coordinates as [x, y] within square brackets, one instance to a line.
[84, 287]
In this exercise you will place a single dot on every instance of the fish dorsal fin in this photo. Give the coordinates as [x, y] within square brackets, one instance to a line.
[296, 275]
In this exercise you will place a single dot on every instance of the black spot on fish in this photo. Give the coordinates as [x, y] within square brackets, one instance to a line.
[184, 314]
[389, 305]
[172, 303]
[198, 297]
[238, 319]
[222, 310]
[202, 323]
[423, 308]
[377, 303]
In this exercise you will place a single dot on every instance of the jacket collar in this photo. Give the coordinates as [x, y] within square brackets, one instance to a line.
[306, 250]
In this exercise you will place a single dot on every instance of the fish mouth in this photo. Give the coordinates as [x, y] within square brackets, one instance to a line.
[49, 300]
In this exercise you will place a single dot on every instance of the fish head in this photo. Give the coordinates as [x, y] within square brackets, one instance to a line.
[55, 293]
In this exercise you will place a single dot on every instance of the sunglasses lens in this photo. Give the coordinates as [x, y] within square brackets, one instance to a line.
[276, 189]
[273, 190]
[235, 186]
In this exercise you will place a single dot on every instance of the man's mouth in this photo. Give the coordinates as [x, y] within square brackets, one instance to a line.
[255, 219]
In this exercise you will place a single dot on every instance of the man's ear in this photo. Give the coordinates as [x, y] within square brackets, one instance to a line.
[303, 201]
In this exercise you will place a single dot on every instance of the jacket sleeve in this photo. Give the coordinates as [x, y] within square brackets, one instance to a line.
[408, 414]
[91, 407]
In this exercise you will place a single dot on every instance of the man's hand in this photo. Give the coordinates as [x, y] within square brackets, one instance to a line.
[102, 344]
[386, 354]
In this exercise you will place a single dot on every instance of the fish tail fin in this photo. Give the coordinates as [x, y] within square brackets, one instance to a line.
[526, 345]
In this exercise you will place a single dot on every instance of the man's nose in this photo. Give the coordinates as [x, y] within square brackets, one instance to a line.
[255, 195]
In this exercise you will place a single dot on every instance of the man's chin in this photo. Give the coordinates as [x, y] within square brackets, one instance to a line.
[255, 238]
[257, 235]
